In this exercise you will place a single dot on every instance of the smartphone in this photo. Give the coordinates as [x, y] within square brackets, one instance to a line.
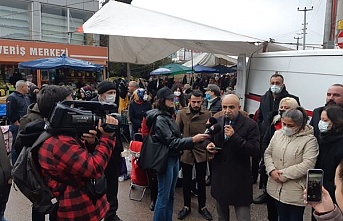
[216, 148]
[314, 185]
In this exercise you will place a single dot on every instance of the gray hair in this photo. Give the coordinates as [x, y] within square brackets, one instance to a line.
[20, 83]
[134, 84]
[298, 115]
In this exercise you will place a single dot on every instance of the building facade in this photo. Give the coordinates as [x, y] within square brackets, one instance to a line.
[33, 29]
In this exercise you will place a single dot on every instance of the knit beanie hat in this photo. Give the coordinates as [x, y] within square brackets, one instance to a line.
[104, 86]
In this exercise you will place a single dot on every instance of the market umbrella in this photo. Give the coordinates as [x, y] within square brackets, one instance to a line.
[60, 62]
[177, 68]
[171, 69]
[161, 71]
[225, 69]
[203, 69]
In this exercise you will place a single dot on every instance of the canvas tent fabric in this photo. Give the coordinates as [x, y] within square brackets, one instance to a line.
[209, 59]
[143, 36]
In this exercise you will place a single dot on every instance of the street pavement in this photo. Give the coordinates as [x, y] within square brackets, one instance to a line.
[19, 208]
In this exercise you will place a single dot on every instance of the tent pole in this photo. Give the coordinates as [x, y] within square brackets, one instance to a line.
[192, 63]
[39, 78]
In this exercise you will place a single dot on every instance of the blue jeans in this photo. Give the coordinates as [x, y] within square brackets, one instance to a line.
[166, 187]
[288, 212]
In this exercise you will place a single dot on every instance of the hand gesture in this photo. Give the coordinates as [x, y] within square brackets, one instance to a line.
[276, 176]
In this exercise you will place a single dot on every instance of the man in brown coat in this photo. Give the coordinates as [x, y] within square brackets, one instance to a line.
[231, 178]
[191, 121]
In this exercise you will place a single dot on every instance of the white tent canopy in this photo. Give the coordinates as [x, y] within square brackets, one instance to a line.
[209, 60]
[143, 36]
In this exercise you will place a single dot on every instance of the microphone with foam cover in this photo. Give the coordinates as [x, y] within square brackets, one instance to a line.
[211, 121]
[214, 129]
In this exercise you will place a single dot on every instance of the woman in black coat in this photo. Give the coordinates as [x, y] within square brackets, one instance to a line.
[330, 145]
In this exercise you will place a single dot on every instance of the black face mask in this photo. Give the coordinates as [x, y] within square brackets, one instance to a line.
[281, 112]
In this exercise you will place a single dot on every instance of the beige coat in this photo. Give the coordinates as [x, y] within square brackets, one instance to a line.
[190, 125]
[293, 155]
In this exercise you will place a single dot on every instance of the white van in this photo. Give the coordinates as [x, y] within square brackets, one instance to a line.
[307, 74]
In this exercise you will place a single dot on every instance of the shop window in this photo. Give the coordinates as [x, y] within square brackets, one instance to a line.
[14, 20]
[55, 24]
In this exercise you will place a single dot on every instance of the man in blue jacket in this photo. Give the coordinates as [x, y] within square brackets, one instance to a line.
[16, 107]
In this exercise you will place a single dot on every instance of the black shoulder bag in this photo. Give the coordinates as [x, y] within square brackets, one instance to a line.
[154, 154]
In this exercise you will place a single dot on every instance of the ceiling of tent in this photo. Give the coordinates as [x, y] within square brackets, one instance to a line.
[210, 60]
[143, 36]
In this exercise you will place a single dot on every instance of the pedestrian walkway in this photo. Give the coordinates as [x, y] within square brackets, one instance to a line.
[18, 207]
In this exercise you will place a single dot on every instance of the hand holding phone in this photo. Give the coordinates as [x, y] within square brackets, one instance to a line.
[314, 185]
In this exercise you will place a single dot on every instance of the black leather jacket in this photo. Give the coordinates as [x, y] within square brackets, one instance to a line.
[167, 131]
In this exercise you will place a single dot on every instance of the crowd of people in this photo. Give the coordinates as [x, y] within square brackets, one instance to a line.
[277, 142]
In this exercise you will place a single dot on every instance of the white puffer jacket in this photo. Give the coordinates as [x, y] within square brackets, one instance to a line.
[293, 155]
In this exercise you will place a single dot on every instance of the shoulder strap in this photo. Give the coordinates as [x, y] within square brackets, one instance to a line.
[44, 136]
[4, 161]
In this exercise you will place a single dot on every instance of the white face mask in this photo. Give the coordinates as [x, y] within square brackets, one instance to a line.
[323, 126]
[177, 93]
[110, 98]
[275, 89]
[145, 97]
[288, 131]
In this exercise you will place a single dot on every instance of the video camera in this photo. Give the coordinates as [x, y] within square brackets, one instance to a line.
[78, 117]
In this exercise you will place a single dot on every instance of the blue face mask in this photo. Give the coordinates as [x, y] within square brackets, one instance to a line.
[208, 97]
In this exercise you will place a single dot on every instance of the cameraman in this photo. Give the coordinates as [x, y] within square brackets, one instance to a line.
[47, 97]
[66, 160]
[107, 93]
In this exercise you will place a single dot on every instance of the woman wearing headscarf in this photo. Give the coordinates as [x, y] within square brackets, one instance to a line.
[137, 108]
[291, 152]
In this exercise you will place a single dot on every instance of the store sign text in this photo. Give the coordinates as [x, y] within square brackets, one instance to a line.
[33, 51]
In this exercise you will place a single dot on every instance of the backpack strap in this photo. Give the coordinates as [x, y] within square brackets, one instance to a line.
[4, 161]
[40, 140]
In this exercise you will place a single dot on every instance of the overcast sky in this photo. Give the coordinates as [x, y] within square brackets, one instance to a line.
[263, 19]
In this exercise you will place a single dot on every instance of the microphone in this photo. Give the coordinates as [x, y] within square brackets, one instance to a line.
[211, 121]
[227, 121]
[214, 129]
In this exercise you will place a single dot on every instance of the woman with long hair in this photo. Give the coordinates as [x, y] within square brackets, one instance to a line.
[330, 145]
[162, 124]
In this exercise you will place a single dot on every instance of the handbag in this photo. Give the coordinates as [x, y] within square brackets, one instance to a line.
[154, 154]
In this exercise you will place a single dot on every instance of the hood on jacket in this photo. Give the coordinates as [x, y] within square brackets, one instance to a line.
[308, 130]
[33, 108]
[150, 116]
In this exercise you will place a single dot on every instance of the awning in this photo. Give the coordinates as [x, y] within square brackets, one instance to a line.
[143, 36]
